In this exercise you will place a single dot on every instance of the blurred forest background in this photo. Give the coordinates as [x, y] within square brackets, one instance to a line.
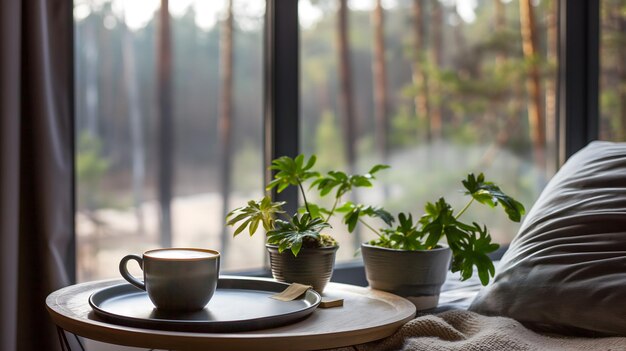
[169, 110]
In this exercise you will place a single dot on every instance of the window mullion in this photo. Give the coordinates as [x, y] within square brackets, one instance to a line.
[281, 93]
[578, 75]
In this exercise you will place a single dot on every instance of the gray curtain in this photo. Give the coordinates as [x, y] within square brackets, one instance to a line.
[36, 167]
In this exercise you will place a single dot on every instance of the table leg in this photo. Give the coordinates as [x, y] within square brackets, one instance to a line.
[65, 345]
[80, 344]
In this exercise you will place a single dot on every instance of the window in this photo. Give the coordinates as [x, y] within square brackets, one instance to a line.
[135, 129]
[436, 89]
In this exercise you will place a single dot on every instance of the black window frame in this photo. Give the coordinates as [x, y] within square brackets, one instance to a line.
[578, 75]
[577, 86]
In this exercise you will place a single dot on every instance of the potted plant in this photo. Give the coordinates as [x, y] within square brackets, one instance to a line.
[409, 260]
[299, 251]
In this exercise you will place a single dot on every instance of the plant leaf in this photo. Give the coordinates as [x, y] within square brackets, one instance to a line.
[470, 250]
[296, 245]
[255, 212]
[310, 163]
[291, 234]
[377, 168]
[254, 224]
[490, 194]
[291, 171]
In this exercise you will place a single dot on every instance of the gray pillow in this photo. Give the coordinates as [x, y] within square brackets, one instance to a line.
[565, 271]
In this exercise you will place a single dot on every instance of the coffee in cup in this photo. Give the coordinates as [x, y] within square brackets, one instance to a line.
[176, 279]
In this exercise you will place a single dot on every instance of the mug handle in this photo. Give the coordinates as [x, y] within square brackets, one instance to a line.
[126, 275]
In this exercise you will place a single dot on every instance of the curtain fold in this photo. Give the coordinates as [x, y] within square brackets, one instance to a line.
[10, 15]
[36, 167]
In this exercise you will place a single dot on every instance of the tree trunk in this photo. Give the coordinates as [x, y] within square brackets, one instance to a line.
[420, 99]
[165, 142]
[533, 87]
[500, 25]
[136, 127]
[459, 40]
[105, 87]
[225, 115]
[380, 83]
[551, 153]
[492, 116]
[346, 99]
[436, 53]
[92, 93]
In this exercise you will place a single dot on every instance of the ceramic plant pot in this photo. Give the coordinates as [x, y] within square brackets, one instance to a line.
[312, 266]
[415, 275]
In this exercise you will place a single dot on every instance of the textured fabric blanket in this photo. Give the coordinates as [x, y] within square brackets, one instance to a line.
[468, 331]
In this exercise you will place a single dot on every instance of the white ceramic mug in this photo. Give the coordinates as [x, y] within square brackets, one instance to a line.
[176, 279]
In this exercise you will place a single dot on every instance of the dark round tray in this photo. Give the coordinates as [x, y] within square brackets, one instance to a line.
[239, 304]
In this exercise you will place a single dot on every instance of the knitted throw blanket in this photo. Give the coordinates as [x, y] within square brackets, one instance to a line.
[468, 331]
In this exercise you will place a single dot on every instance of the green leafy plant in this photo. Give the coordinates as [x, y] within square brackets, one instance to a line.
[295, 232]
[470, 243]
[303, 228]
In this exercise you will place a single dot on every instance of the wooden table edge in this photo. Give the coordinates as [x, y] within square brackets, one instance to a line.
[139, 337]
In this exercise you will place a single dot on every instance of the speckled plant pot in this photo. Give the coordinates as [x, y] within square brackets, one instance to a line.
[312, 266]
[415, 275]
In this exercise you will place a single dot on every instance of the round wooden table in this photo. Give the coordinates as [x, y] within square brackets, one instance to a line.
[366, 315]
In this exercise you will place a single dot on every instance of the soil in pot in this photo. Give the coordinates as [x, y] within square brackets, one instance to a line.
[415, 275]
[313, 266]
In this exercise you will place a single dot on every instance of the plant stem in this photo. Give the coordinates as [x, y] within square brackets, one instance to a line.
[369, 226]
[464, 209]
[306, 203]
[333, 209]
